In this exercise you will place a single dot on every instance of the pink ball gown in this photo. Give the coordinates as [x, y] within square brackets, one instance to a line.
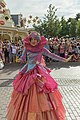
[35, 93]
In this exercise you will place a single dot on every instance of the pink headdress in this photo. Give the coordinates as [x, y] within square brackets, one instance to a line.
[35, 35]
[42, 42]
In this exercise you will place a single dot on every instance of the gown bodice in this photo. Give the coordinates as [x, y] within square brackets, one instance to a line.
[34, 58]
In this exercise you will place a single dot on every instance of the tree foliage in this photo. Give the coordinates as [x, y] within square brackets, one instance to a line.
[51, 26]
[63, 25]
[78, 28]
[72, 30]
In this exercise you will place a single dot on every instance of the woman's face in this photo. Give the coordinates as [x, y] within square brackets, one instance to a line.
[33, 42]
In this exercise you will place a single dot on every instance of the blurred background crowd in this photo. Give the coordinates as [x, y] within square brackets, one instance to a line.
[64, 47]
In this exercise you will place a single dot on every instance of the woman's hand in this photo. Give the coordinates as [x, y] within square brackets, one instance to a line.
[68, 59]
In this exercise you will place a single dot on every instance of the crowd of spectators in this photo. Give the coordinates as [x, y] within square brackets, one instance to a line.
[11, 51]
[64, 48]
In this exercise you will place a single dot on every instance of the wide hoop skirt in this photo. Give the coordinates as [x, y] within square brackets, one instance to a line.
[35, 97]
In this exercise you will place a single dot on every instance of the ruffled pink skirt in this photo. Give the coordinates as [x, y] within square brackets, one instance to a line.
[35, 97]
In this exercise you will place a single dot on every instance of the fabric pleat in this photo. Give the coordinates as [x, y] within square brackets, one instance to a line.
[35, 97]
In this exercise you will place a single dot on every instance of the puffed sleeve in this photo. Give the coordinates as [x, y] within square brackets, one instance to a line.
[47, 53]
[24, 53]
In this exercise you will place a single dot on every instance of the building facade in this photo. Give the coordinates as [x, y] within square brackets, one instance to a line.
[10, 28]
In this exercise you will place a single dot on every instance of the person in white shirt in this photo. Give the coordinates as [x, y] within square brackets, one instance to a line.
[14, 49]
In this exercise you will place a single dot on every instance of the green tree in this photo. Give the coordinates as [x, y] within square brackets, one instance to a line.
[78, 28]
[77, 16]
[73, 26]
[56, 28]
[67, 28]
[51, 21]
[51, 26]
[63, 28]
[48, 24]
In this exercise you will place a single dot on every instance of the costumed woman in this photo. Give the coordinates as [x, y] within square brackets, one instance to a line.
[36, 95]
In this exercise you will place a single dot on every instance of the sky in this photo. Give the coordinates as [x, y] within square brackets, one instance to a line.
[66, 8]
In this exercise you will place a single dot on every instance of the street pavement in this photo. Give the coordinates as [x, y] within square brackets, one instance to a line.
[67, 76]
